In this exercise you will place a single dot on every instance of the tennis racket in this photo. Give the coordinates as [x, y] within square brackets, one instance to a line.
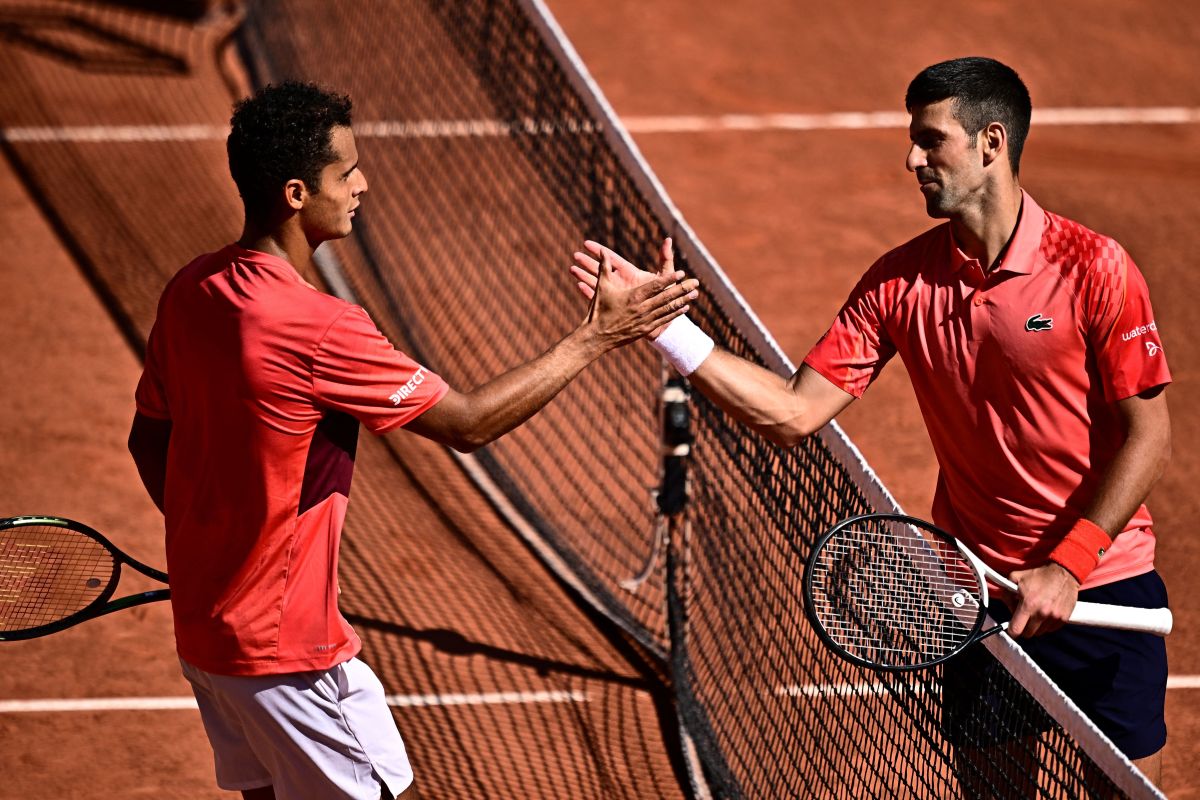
[895, 593]
[55, 573]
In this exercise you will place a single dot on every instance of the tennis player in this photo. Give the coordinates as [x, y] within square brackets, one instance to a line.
[1039, 370]
[247, 419]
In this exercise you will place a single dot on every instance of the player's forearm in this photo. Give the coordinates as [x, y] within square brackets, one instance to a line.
[754, 396]
[1127, 482]
[504, 402]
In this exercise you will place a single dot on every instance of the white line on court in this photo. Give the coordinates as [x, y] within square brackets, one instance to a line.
[1166, 115]
[487, 698]
[876, 689]
[189, 703]
[439, 129]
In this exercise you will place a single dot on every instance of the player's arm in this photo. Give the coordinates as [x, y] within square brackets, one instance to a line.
[618, 315]
[1139, 463]
[783, 410]
[149, 439]
[1048, 593]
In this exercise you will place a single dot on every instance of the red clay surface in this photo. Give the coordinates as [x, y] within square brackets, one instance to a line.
[793, 217]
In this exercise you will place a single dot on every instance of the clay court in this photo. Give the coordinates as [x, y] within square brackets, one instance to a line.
[504, 683]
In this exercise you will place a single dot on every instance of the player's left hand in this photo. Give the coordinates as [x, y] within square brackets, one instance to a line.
[1045, 598]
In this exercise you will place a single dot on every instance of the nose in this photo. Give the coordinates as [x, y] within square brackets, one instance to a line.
[362, 183]
[916, 159]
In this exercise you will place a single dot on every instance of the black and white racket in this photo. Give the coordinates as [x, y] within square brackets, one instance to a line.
[895, 593]
[55, 573]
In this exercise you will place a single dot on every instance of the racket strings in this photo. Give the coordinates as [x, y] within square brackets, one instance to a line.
[893, 597]
[48, 573]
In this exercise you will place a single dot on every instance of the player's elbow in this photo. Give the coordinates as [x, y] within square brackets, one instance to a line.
[791, 433]
[470, 437]
[467, 444]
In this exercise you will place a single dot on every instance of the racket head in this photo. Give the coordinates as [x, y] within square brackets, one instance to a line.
[893, 593]
[53, 571]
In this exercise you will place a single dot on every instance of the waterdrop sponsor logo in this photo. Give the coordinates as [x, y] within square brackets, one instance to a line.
[1140, 330]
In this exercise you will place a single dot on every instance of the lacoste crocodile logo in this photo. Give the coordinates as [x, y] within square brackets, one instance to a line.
[1038, 323]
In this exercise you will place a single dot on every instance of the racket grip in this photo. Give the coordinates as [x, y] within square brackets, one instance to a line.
[1158, 621]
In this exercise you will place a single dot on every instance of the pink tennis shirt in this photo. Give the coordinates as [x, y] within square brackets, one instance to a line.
[265, 381]
[1016, 373]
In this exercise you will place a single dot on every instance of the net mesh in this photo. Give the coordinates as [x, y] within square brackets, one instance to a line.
[487, 169]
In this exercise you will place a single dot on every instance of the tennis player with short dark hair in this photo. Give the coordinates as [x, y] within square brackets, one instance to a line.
[1037, 364]
[247, 419]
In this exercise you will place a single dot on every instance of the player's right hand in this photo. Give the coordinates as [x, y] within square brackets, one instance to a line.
[586, 270]
[628, 303]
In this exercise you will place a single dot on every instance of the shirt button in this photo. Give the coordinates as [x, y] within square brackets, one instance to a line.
[978, 300]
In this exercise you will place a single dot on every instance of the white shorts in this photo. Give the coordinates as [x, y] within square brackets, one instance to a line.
[327, 734]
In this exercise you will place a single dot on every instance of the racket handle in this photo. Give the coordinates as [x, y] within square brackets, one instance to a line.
[1158, 621]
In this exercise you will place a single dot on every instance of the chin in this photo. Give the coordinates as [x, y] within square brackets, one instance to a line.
[936, 209]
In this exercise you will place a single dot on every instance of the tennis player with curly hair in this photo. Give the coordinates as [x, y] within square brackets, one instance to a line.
[255, 384]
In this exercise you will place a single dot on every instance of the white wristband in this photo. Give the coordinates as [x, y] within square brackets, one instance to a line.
[683, 345]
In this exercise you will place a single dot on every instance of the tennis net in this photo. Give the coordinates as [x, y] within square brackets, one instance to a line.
[493, 155]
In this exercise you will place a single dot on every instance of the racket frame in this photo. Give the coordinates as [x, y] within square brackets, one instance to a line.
[100, 605]
[975, 564]
[1157, 621]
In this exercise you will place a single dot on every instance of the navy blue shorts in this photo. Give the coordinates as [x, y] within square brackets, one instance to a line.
[1118, 678]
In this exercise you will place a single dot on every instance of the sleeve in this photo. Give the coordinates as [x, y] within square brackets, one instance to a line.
[854, 350]
[356, 370]
[1120, 326]
[150, 396]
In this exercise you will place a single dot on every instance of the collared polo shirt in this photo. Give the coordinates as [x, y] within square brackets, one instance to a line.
[265, 381]
[1016, 373]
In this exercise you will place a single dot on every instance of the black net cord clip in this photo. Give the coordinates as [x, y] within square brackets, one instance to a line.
[670, 498]
[672, 494]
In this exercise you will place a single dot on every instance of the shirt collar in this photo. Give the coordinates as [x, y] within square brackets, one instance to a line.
[1022, 250]
[276, 263]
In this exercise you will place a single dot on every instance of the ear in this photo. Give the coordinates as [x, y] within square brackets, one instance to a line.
[295, 193]
[993, 141]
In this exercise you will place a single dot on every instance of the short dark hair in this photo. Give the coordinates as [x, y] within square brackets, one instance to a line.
[281, 133]
[984, 91]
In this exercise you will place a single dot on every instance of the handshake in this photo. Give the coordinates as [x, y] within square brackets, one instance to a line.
[627, 303]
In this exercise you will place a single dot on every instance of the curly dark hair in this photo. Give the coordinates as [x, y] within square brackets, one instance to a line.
[984, 91]
[281, 133]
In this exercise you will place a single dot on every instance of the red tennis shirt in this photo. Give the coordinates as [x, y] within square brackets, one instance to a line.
[1016, 373]
[265, 380]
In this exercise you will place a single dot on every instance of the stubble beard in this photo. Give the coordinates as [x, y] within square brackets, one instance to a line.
[940, 204]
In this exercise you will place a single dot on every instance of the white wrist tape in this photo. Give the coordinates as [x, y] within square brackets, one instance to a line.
[683, 345]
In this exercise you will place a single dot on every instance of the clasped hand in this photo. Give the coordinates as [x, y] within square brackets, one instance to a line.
[1044, 600]
[620, 275]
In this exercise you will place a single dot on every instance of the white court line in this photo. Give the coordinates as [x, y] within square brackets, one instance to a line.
[1183, 682]
[876, 689]
[489, 698]
[895, 119]
[189, 703]
[439, 129]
